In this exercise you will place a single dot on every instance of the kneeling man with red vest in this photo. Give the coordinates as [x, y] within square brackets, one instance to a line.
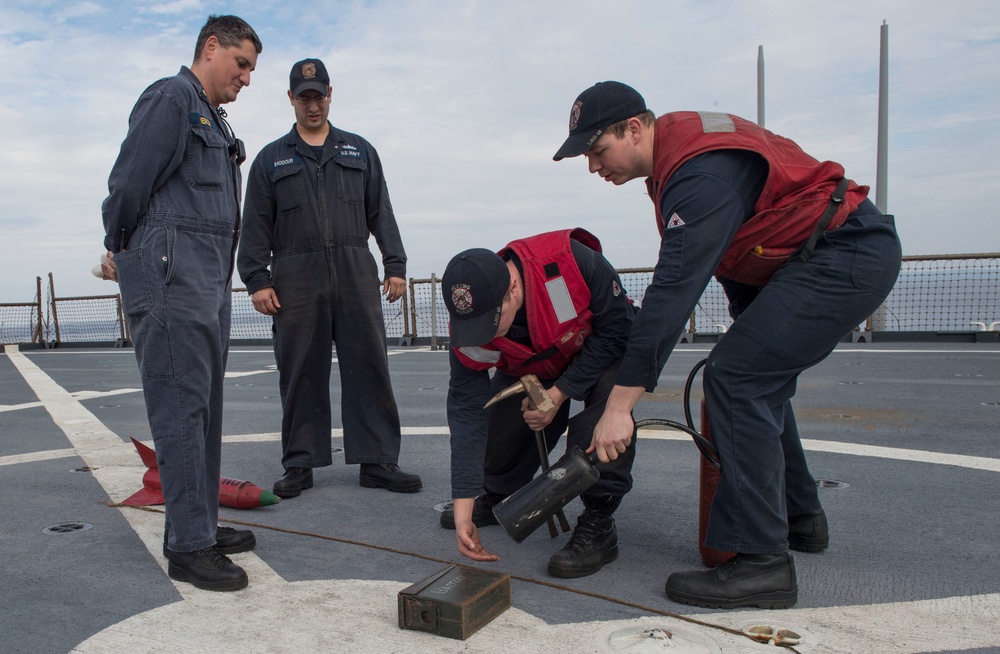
[549, 305]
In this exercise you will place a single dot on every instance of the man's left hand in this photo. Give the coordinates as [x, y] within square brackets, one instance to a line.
[393, 288]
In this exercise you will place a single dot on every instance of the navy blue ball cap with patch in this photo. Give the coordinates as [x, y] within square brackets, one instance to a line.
[474, 285]
[600, 106]
[308, 75]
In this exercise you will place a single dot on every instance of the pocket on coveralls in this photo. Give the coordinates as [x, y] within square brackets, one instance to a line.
[289, 188]
[207, 162]
[351, 179]
[137, 298]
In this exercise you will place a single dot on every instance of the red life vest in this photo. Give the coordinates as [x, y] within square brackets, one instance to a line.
[793, 199]
[556, 299]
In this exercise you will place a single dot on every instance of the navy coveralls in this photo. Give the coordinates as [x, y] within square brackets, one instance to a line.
[780, 329]
[307, 221]
[494, 449]
[172, 219]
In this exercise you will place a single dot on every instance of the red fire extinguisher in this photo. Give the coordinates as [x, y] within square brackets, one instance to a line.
[709, 482]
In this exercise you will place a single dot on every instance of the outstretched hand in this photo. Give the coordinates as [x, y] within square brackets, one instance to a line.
[469, 544]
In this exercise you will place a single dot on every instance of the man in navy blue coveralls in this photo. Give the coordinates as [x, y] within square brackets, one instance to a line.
[171, 223]
[766, 501]
[314, 197]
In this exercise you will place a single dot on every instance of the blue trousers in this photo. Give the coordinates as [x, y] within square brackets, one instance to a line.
[512, 453]
[780, 330]
[176, 295]
[332, 296]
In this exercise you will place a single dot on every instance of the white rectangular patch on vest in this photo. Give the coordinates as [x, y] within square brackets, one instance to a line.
[713, 121]
[481, 354]
[562, 303]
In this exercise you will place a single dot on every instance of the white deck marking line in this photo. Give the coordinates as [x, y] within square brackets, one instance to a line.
[213, 621]
[812, 445]
[854, 449]
[117, 467]
[79, 395]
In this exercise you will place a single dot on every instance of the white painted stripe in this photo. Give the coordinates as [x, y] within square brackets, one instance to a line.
[79, 395]
[31, 457]
[902, 454]
[18, 407]
[812, 445]
[258, 622]
[116, 465]
[854, 449]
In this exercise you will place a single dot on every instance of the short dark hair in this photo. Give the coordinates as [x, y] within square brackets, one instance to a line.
[231, 31]
[647, 117]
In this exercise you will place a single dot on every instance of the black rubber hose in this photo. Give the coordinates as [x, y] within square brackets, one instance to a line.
[706, 447]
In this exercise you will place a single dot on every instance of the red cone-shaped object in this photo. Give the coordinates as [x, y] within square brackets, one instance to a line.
[233, 493]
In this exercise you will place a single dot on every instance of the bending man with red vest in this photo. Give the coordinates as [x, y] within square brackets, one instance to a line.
[803, 257]
[549, 305]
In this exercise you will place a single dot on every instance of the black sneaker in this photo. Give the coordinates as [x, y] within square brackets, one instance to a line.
[227, 540]
[594, 542]
[293, 482]
[809, 532]
[763, 580]
[234, 541]
[482, 511]
[206, 569]
[390, 477]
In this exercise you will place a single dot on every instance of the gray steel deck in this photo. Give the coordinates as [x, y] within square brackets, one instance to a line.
[910, 429]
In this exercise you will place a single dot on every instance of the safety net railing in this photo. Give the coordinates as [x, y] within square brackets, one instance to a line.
[935, 294]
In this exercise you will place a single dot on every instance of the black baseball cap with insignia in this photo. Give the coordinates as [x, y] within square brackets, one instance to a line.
[308, 75]
[597, 108]
[474, 285]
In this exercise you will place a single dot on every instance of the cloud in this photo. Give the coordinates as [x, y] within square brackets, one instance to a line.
[466, 101]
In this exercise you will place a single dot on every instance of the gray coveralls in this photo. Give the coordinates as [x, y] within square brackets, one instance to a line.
[172, 220]
[309, 218]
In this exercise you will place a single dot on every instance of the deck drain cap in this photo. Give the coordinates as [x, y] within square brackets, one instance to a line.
[67, 528]
[661, 638]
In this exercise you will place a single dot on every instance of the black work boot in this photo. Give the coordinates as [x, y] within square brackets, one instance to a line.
[390, 477]
[594, 541]
[763, 580]
[233, 541]
[482, 511]
[809, 532]
[206, 569]
[227, 540]
[293, 482]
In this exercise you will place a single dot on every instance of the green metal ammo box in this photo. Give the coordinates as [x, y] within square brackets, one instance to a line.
[454, 602]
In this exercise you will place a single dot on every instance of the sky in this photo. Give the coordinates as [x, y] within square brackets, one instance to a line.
[466, 101]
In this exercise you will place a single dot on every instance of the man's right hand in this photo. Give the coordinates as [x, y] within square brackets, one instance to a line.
[266, 301]
[108, 268]
[466, 533]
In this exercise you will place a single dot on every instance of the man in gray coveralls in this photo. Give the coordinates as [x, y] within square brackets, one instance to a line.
[314, 196]
[171, 222]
